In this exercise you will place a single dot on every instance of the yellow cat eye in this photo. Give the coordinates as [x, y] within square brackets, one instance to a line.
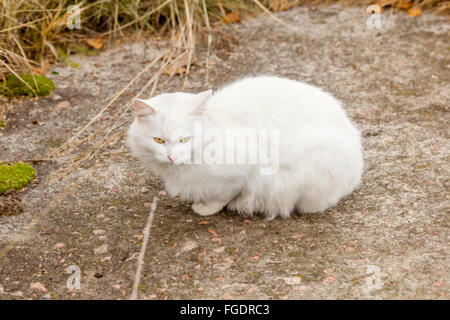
[184, 140]
[158, 140]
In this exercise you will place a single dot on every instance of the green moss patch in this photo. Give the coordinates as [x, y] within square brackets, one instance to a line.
[16, 176]
[13, 86]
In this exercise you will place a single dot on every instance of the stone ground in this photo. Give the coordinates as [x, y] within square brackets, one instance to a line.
[395, 85]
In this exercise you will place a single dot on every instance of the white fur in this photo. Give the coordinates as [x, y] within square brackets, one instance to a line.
[320, 152]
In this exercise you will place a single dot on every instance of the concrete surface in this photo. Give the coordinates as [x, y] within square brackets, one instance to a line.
[394, 83]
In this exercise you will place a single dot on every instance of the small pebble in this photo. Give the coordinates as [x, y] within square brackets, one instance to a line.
[63, 104]
[189, 245]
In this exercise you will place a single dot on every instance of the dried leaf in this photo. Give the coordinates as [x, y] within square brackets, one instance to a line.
[227, 296]
[414, 12]
[212, 232]
[179, 65]
[232, 18]
[63, 104]
[404, 5]
[59, 245]
[95, 43]
[280, 5]
[40, 70]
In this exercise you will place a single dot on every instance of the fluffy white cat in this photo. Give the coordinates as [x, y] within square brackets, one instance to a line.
[315, 151]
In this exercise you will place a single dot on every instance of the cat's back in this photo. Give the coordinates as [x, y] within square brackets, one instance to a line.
[272, 99]
[257, 89]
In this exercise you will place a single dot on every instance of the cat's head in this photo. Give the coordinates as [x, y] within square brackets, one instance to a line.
[163, 129]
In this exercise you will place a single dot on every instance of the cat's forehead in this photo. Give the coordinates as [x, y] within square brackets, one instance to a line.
[168, 101]
[171, 128]
[166, 123]
[172, 114]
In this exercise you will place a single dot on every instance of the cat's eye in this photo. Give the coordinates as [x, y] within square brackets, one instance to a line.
[184, 140]
[158, 140]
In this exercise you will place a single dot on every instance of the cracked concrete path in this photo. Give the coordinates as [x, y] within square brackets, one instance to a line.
[394, 83]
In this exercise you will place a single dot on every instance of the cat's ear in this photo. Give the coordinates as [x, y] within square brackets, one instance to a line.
[200, 102]
[142, 109]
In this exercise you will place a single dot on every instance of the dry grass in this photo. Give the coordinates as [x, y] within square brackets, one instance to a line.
[33, 33]
[109, 134]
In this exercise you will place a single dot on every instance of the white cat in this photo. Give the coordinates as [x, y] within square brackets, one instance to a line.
[316, 152]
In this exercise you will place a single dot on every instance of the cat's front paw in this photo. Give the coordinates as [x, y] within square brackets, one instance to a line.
[206, 209]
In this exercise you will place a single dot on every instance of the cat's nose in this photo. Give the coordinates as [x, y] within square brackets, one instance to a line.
[171, 158]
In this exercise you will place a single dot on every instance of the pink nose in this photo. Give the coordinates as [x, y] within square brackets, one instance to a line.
[171, 158]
